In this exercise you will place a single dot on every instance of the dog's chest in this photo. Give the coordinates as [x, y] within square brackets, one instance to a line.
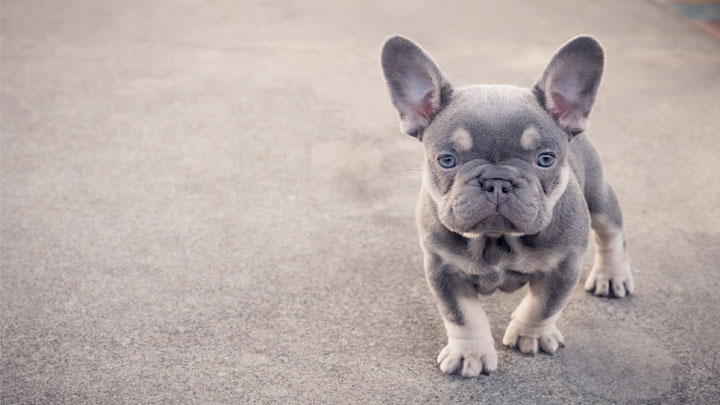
[502, 263]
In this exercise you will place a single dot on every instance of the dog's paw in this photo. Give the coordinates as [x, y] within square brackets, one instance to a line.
[610, 281]
[529, 338]
[468, 357]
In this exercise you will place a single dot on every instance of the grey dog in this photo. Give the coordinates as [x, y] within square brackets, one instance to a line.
[511, 186]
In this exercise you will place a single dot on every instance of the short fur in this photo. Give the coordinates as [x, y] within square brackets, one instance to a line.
[497, 218]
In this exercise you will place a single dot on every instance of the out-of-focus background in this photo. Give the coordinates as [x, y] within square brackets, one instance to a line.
[212, 202]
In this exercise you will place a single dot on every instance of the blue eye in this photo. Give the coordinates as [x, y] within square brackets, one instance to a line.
[447, 161]
[545, 160]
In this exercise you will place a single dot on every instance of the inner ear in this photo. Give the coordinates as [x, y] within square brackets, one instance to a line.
[568, 85]
[420, 102]
[559, 104]
[418, 88]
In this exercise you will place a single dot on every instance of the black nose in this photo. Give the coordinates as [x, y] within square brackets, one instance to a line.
[496, 186]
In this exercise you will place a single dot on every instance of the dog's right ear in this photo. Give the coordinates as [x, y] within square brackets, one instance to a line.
[417, 87]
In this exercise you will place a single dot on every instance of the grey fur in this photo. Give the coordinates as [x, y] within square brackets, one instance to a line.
[497, 220]
[446, 286]
[559, 284]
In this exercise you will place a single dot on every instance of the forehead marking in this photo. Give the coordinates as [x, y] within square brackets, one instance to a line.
[462, 140]
[529, 138]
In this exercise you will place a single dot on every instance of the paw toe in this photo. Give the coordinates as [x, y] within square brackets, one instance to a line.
[490, 363]
[450, 363]
[549, 344]
[602, 288]
[472, 366]
[510, 339]
[590, 283]
[630, 286]
[442, 355]
[618, 289]
[528, 345]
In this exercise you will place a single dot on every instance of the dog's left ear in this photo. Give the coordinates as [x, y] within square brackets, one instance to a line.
[569, 83]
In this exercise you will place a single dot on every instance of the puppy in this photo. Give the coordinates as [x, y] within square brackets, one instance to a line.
[511, 186]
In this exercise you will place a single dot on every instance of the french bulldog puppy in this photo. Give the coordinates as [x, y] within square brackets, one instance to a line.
[511, 187]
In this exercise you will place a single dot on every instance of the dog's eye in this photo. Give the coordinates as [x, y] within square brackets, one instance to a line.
[447, 161]
[546, 159]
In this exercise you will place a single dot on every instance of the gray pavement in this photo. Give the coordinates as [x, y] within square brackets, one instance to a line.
[212, 202]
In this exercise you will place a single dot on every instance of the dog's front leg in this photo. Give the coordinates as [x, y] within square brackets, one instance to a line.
[470, 348]
[533, 322]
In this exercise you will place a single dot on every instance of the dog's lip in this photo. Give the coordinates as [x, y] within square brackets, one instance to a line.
[494, 216]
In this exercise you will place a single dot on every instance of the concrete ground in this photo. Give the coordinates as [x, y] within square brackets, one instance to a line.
[212, 202]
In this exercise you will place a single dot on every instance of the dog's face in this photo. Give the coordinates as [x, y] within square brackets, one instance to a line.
[496, 162]
[496, 156]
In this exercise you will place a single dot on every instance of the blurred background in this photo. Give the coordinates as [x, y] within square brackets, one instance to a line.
[212, 202]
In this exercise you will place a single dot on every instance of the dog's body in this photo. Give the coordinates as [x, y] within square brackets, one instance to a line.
[511, 184]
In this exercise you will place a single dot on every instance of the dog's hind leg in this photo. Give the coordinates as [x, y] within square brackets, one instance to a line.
[611, 274]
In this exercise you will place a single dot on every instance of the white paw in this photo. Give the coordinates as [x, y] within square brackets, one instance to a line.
[470, 357]
[610, 281]
[528, 338]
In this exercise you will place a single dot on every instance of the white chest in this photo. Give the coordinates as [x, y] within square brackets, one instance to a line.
[473, 261]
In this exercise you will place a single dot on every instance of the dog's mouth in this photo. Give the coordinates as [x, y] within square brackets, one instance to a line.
[495, 223]
[469, 212]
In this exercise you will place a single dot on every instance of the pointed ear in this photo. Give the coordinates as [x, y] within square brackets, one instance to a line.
[569, 83]
[417, 87]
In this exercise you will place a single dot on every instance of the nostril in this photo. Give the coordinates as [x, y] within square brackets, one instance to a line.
[487, 186]
[496, 185]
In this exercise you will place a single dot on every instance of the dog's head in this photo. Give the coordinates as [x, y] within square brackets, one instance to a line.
[496, 156]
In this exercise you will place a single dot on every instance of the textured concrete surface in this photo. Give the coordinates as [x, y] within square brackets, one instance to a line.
[212, 202]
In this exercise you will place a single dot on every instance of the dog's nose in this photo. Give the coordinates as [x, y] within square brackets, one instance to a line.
[496, 186]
